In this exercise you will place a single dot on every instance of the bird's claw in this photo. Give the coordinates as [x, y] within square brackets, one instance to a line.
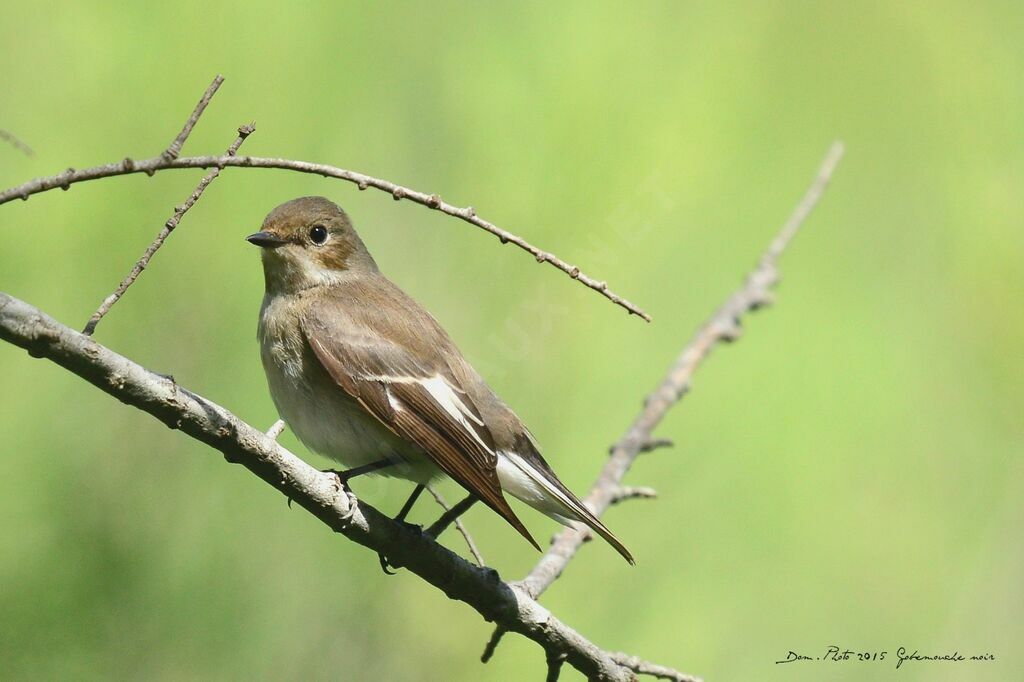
[341, 479]
[385, 565]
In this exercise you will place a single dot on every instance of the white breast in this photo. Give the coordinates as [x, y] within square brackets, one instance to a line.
[321, 414]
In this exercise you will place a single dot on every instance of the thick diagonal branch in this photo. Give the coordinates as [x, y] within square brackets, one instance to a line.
[506, 605]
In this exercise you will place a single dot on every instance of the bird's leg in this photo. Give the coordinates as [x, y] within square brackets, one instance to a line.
[402, 513]
[407, 507]
[348, 474]
[449, 517]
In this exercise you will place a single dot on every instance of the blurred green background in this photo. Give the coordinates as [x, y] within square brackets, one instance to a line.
[850, 473]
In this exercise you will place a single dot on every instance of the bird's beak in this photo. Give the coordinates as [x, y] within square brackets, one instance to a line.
[267, 240]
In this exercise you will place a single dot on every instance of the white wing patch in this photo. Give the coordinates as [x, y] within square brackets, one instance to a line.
[442, 392]
[444, 395]
[526, 483]
[516, 476]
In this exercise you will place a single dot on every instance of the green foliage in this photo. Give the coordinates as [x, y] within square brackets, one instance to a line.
[848, 474]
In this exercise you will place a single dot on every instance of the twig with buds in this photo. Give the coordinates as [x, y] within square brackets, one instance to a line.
[169, 159]
[724, 326]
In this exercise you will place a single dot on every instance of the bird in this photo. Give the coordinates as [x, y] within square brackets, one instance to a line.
[365, 376]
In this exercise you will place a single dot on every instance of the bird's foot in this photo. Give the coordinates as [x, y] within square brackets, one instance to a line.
[386, 565]
[345, 476]
[342, 479]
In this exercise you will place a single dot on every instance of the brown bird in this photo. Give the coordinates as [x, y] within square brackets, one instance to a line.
[365, 376]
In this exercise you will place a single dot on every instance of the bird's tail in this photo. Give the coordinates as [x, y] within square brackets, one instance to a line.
[538, 487]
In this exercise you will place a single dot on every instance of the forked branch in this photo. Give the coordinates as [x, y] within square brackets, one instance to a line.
[172, 222]
[169, 159]
[316, 491]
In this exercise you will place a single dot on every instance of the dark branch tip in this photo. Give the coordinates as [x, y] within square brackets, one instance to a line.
[655, 443]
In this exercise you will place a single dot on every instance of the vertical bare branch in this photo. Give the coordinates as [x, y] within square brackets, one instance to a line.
[172, 222]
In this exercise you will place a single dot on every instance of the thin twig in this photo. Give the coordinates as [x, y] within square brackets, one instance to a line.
[459, 526]
[451, 515]
[629, 492]
[172, 222]
[555, 660]
[492, 644]
[16, 142]
[653, 444]
[467, 214]
[174, 149]
[723, 326]
[642, 667]
[317, 492]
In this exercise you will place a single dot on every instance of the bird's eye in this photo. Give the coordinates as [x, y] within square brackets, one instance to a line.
[318, 234]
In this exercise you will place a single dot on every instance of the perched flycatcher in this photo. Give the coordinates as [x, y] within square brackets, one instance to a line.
[365, 376]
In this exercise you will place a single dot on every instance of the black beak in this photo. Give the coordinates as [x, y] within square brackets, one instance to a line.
[266, 240]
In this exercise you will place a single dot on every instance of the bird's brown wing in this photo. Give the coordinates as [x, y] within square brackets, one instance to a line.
[413, 394]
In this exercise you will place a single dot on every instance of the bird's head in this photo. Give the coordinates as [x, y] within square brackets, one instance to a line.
[309, 242]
